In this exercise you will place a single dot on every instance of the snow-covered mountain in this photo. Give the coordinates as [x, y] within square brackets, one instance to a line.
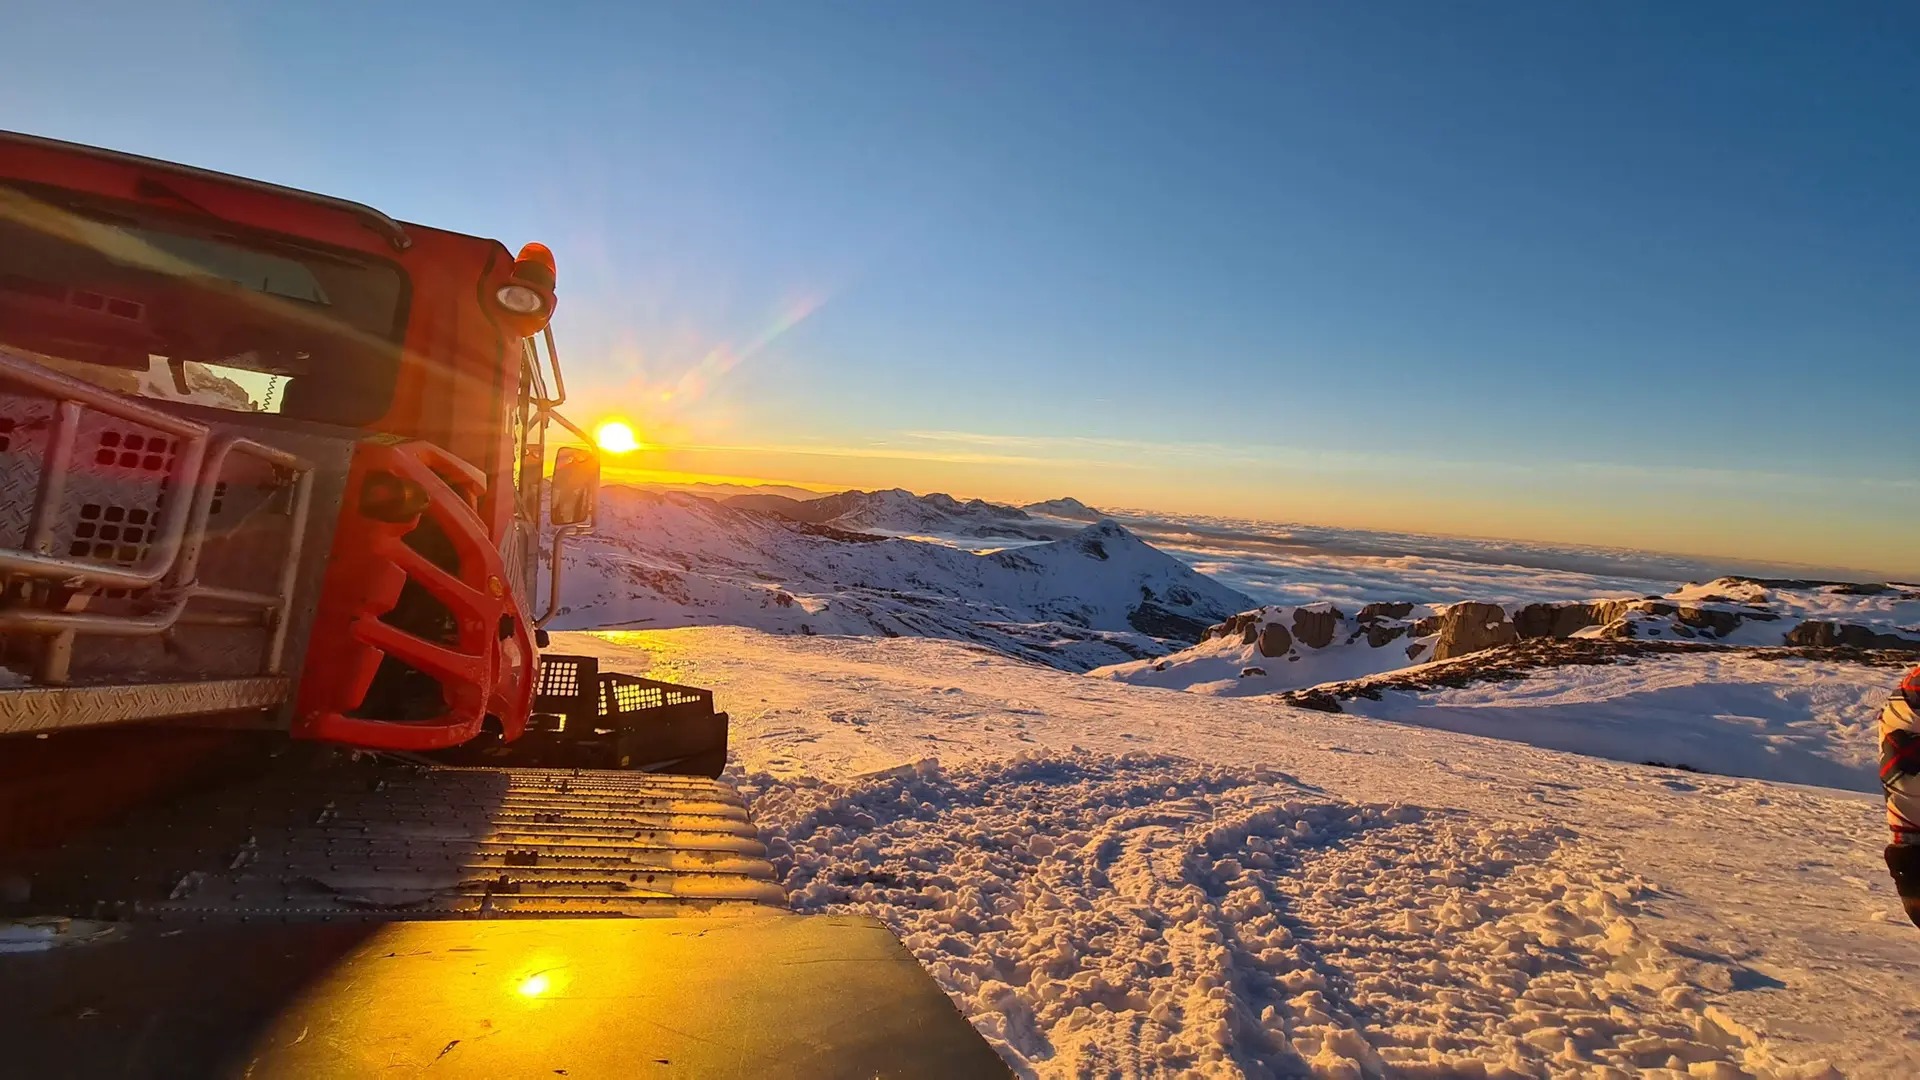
[1072, 509]
[898, 512]
[1097, 596]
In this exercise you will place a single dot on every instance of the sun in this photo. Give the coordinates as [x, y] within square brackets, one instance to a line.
[616, 438]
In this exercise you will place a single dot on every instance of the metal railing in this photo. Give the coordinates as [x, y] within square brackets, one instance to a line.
[167, 571]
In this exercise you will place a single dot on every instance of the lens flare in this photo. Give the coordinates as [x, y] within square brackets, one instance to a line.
[616, 438]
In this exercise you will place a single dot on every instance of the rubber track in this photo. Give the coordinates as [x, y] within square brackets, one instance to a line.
[377, 841]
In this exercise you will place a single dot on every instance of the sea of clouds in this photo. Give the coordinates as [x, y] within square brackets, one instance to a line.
[1296, 564]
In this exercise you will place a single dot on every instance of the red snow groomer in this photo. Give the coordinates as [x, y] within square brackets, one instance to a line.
[274, 485]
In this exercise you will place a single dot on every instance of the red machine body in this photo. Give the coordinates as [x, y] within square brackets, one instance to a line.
[448, 447]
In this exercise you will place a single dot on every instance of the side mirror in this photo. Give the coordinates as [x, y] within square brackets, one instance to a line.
[576, 486]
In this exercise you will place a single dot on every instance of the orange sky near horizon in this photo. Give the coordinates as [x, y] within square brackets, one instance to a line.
[1694, 512]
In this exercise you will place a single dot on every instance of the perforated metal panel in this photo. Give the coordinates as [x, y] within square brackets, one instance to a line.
[560, 676]
[25, 424]
[632, 697]
[119, 474]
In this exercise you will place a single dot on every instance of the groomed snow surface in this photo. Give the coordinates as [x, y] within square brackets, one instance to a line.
[1112, 880]
[1738, 713]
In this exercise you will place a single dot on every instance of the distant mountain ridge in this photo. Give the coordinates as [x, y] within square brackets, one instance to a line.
[1066, 508]
[1097, 595]
[901, 512]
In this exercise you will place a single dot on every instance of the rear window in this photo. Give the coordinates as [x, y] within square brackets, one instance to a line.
[177, 307]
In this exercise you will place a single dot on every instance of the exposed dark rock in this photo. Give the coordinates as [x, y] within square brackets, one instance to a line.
[1470, 627]
[1377, 612]
[845, 536]
[1428, 626]
[1817, 633]
[1274, 640]
[1619, 630]
[1236, 625]
[1248, 672]
[1311, 699]
[1719, 620]
[1315, 628]
[1379, 634]
[1156, 621]
[1414, 650]
[1555, 620]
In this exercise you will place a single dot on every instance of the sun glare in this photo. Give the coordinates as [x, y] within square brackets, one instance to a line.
[616, 438]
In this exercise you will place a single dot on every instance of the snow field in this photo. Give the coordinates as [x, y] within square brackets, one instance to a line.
[1144, 915]
[1469, 906]
[1798, 721]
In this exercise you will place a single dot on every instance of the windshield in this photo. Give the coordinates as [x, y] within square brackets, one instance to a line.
[171, 307]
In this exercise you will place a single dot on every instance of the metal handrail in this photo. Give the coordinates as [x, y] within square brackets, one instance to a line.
[559, 382]
[160, 556]
[182, 589]
[171, 563]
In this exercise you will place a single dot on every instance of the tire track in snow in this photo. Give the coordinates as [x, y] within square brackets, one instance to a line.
[1151, 915]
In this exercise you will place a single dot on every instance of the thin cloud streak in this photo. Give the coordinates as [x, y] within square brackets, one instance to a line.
[885, 452]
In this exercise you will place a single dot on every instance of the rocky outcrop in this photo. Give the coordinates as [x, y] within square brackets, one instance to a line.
[1620, 619]
[1245, 625]
[1315, 626]
[1626, 619]
[1818, 633]
[1274, 640]
[1379, 612]
[1728, 615]
[1470, 627]
[1554, 620]
[1718, 621]
[1524, 657]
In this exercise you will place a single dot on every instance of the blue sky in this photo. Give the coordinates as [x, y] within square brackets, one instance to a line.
[1639, 274]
